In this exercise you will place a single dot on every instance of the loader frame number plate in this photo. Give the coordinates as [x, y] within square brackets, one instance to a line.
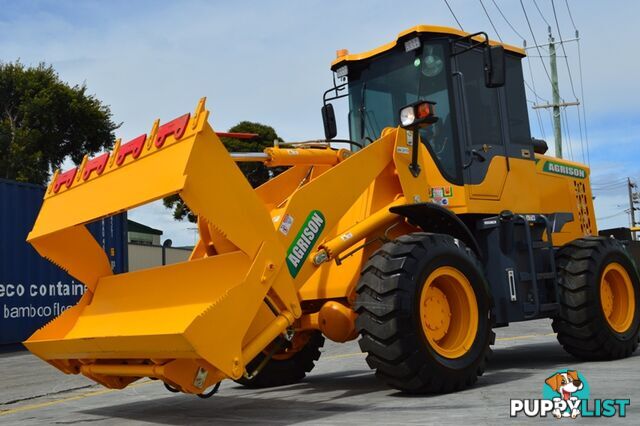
[304, 241]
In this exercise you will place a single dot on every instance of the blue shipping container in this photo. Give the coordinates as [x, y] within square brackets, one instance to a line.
[33, 290]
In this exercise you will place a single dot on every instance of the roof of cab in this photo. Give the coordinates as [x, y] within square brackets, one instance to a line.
[421, 29]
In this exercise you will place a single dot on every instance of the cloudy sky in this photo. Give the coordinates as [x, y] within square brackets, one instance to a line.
[268, 61]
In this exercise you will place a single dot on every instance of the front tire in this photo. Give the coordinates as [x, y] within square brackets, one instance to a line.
[288, 366]
[599, 293]
[424, 314]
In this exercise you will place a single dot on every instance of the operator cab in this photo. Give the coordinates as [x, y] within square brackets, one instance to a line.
[481, 112]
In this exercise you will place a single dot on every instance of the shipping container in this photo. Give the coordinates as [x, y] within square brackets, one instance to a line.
[33, 290]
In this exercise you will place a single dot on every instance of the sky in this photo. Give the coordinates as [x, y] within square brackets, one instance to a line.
[268, 61]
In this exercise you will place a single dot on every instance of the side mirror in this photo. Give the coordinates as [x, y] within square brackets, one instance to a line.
[329, 121]
[494, 66]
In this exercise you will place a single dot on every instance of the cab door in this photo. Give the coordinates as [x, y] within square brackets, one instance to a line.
[480, 112]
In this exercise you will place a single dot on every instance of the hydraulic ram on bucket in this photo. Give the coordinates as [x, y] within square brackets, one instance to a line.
[195, 323]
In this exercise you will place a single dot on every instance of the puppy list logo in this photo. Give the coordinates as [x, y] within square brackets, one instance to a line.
[565, 394]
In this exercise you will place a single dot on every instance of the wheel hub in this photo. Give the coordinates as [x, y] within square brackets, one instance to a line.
[617, 297]
[449, 312]
[607, 299]
[436, 313]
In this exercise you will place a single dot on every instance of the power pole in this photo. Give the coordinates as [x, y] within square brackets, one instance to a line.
[557, 130]
[555, 104]
[632, 209]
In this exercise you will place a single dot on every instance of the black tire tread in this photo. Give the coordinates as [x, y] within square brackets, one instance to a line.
[580, 325]
[286, 371]
[387, 334]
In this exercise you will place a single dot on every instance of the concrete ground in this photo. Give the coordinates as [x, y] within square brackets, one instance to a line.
[340, 390]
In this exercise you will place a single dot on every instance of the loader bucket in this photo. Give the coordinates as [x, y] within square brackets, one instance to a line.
[194, 323]
[183, 323]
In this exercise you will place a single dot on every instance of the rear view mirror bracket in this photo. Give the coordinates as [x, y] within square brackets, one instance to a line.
[493, 58]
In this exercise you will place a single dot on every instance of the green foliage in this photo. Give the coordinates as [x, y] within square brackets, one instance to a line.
[256, 173]
[44, 120]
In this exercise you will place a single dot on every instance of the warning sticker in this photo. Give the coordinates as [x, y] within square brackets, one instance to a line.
[285, 225]
[440, 195]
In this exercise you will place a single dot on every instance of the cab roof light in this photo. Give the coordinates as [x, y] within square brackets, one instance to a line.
[342, 72]
[412, 44]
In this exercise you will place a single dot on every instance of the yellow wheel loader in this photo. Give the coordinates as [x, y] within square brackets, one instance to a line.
[442, 220]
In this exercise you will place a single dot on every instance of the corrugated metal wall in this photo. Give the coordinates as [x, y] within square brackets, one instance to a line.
[32, 289]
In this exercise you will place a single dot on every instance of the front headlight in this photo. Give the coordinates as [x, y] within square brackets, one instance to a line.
[419, 114]
[407, 116]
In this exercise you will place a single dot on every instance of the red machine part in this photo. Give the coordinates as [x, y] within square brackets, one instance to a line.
[97, 164]
[65, 178]
[133, 148]
[175, 127]
[237, 135]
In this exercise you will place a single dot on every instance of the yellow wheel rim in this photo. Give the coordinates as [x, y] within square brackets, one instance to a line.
[617, 297]
[449, 312]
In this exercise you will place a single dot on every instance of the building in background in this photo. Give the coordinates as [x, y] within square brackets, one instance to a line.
[138, 233]
[146, 249]
[33, 290]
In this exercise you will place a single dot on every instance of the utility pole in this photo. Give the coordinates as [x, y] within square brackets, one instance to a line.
[557, 130]
[555, 103]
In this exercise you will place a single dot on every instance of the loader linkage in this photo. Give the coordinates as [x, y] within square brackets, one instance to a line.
[194, 323]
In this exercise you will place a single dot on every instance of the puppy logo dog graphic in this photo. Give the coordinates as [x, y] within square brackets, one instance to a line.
[565, 385]
[565, 395]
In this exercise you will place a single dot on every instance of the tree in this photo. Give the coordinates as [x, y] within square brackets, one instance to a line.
[43, 121]
[256, 173]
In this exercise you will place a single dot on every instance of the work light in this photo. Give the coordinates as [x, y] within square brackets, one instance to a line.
[342, 71]
[412, 44]
[418, 113]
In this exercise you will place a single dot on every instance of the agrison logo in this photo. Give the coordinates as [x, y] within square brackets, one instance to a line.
[564, 170]
[303, 242]
[565, 394]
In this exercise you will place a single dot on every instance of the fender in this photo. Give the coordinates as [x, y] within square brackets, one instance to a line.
[431, 217]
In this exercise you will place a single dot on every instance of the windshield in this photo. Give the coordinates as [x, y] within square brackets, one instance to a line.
[395, 80]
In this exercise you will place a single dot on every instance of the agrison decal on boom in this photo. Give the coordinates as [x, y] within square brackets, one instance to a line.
[304, 241]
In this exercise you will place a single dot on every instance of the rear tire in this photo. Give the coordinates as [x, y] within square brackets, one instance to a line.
[599, 293]
[285, 370]
[412, 348]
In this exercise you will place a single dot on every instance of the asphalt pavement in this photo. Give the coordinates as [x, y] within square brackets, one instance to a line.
[340, 390]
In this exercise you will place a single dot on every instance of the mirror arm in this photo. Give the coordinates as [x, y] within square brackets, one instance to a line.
[414, 167]
[335, 90]
[470, 38]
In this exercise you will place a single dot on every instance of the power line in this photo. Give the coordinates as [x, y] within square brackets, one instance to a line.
[573, 90]
[534, 92]
[506, 20]
[490, 21]
[566, 119]
[581, 135]
[537, 111]
[535, 41]
[615, 182]
[612, 216]
[555, 16]
[541, 124]
[584, 110]
[541, 15]
[454, 15]
[608, 187]
[570, 16]
[609, 183]
[567, 132]
[538, 97]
